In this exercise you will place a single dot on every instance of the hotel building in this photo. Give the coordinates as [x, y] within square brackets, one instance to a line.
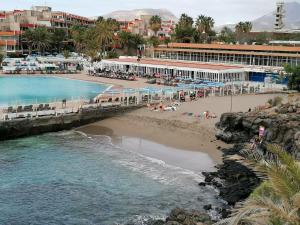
[13, 23]
[172, 69]
[259, 61]
[213, 62]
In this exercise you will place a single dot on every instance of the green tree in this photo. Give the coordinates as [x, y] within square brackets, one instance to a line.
[104, 34]
[204, 28]
[184, 30]
[227, 35]
[293, 74]
[155, 24]
[1, 56]
[38, 38]
[277, 200]
[243, 27]
[185, 21]
[114, 24]
[78, 36]
[153, 41]
[27, 40]
[66, 53]
[100, 19]
[124, 39]
[58, 38]
[205, 24]
[242, 30]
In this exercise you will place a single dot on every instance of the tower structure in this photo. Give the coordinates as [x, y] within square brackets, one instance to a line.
[279, 16]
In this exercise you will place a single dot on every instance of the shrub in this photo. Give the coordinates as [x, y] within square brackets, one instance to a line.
[275, 101]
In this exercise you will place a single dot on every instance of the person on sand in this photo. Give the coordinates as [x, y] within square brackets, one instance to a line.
[207, 114]
[213, 115]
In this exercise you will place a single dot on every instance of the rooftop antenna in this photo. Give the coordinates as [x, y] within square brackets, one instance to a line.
[279, 16]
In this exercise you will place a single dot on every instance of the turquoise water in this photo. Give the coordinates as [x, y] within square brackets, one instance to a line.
[68, 178]
[21, 90]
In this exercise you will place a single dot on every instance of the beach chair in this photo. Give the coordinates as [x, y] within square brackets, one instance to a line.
[47, 107]
[40, 107]
[19, 109]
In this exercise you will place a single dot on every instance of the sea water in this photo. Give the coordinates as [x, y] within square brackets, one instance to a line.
[70, 178]
[21, 90]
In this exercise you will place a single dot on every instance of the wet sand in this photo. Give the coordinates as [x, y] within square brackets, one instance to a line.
[174, 129]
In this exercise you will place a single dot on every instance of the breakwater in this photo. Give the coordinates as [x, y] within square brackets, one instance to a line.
[16, 128]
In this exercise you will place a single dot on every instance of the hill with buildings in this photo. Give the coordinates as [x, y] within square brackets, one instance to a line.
[266, 22]
[128, 15]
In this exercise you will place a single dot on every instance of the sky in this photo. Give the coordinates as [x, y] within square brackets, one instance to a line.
[223, 11]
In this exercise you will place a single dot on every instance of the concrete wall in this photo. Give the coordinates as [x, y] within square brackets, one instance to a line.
[11, 129]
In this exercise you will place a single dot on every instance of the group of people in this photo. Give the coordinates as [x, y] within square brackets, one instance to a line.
[204, 115]
[162, 107]
[192, 95]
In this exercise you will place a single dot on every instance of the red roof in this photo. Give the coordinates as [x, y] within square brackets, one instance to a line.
[268, 48]
[171, 63]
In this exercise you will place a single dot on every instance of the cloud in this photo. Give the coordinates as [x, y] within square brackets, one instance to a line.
[223, 11]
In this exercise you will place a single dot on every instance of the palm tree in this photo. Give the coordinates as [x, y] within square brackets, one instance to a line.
[205, 24]
[41, 39]
[58, 39]
[277, 200]
[78, 37]
[27, 38]
[185, 21]
[155, 24]
[124, 39]
[243, 27]
[184, 29]
[104, 33]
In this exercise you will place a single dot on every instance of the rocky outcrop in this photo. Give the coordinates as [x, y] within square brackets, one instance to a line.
[234, 180]
[185, 217]
[282, 129]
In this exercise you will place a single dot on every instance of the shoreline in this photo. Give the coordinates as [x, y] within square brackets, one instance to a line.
[175, 136]
[175, 129]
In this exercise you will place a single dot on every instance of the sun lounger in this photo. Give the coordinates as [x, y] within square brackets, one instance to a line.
[19, 109]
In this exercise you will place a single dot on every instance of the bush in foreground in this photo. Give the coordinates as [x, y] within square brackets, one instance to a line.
[277, 200]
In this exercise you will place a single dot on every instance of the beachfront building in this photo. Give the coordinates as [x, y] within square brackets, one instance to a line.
[253, 55]
[9, 42]
[13, 23]
[259, 60]
[175, 69]
[141, 26]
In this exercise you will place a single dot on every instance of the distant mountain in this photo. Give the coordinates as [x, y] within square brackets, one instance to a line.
[266, 22]
[137, 13]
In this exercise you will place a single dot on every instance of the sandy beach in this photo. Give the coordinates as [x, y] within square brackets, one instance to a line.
[175, 129]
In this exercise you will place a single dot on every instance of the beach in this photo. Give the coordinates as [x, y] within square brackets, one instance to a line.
[175, 128]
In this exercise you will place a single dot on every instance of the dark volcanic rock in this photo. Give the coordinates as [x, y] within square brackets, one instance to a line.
[185, 217]
[242, 127]
[234, 180]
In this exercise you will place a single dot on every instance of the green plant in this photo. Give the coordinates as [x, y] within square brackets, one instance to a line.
[277, 200]
[155, 24]
[66, 53]
[275, 101]
[293, 74]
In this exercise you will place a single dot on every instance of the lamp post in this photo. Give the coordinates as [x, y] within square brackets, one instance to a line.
[231, 95]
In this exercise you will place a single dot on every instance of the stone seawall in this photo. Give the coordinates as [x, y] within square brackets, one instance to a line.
[11, 129]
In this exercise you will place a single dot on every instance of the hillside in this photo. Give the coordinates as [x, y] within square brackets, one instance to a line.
[137, 13]
[266, 22]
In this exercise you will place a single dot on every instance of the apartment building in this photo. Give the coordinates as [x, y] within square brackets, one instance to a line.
[13, 23]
